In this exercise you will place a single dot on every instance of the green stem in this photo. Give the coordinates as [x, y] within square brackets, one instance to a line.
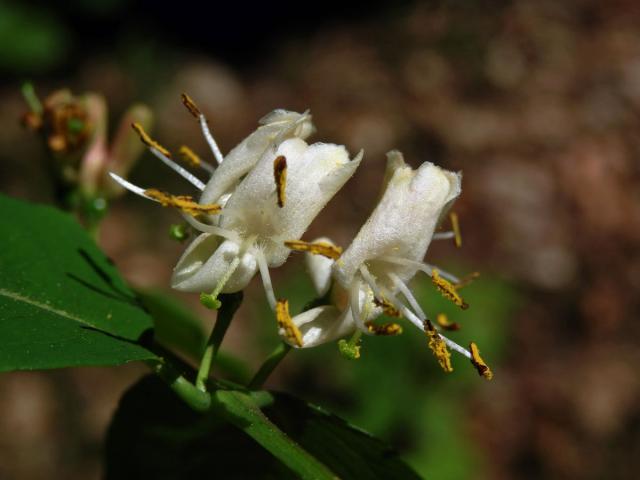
[230, 304]
[195, 398]
[239, 408]
[269, 365]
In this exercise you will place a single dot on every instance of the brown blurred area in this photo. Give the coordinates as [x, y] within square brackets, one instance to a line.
[537, 102]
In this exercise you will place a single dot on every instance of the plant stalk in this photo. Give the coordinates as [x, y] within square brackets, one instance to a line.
[230, 304]
[269, 365]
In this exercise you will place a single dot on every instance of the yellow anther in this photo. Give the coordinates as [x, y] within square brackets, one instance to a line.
[384, 329]
[280, 177]
[447, 289]
[318, 248]
[387, 307]
[183, 203]
[482, 368]
[455, 225]
[467, 280]
[286, 325]
[191, 105]
[148, 141]
[444, 322]
[189, 156]
[438, 347]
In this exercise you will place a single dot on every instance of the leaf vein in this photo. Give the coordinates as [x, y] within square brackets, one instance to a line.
[17, 297]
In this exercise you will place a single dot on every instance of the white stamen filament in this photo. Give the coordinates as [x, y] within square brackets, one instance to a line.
[191, 178]
[354, 304]
[266, 278]
[454, 346]
[444, 235]
[131, 187]
[424, 267]
[420, 324]
[406, 291]
[203, 227]
[417, 320]
[210, 140]
[364, 271]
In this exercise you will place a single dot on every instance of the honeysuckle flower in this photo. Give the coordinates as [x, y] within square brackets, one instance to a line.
[368, 278]
[252, 228]
[266, 190]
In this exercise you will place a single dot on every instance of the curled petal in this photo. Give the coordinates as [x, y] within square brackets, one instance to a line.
[276, 126]
[205, 263]
[323, 324]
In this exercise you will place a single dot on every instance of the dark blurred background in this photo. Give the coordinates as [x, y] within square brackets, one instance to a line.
[537, 102]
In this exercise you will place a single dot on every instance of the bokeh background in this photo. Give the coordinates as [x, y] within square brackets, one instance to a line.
[536, 101]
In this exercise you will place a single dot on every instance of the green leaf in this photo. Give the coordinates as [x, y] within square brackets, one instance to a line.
[175, 325]
[62, 302]
[164, 439]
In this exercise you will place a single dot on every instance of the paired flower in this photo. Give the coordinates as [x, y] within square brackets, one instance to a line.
[369, 278]
[262, 197]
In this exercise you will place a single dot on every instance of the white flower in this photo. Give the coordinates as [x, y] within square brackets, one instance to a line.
[401, 226]
[254, 227]
[252, 182]
[384, 256]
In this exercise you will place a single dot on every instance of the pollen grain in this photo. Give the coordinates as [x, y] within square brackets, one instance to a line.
[280, 177]
[148, 141]
[191, 105]
[183, 203]
[477, 361]
[287, 328]
[387, 307]
[447, 289]
[317, 248]
[438, 347]
[384, 329]
[189, 156]
[443, 322]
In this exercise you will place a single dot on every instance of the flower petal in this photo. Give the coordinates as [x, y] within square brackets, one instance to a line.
[402, 223]
[319, 269]
[275, 127]
[205, 263]
[323, 324]
[314, 174]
